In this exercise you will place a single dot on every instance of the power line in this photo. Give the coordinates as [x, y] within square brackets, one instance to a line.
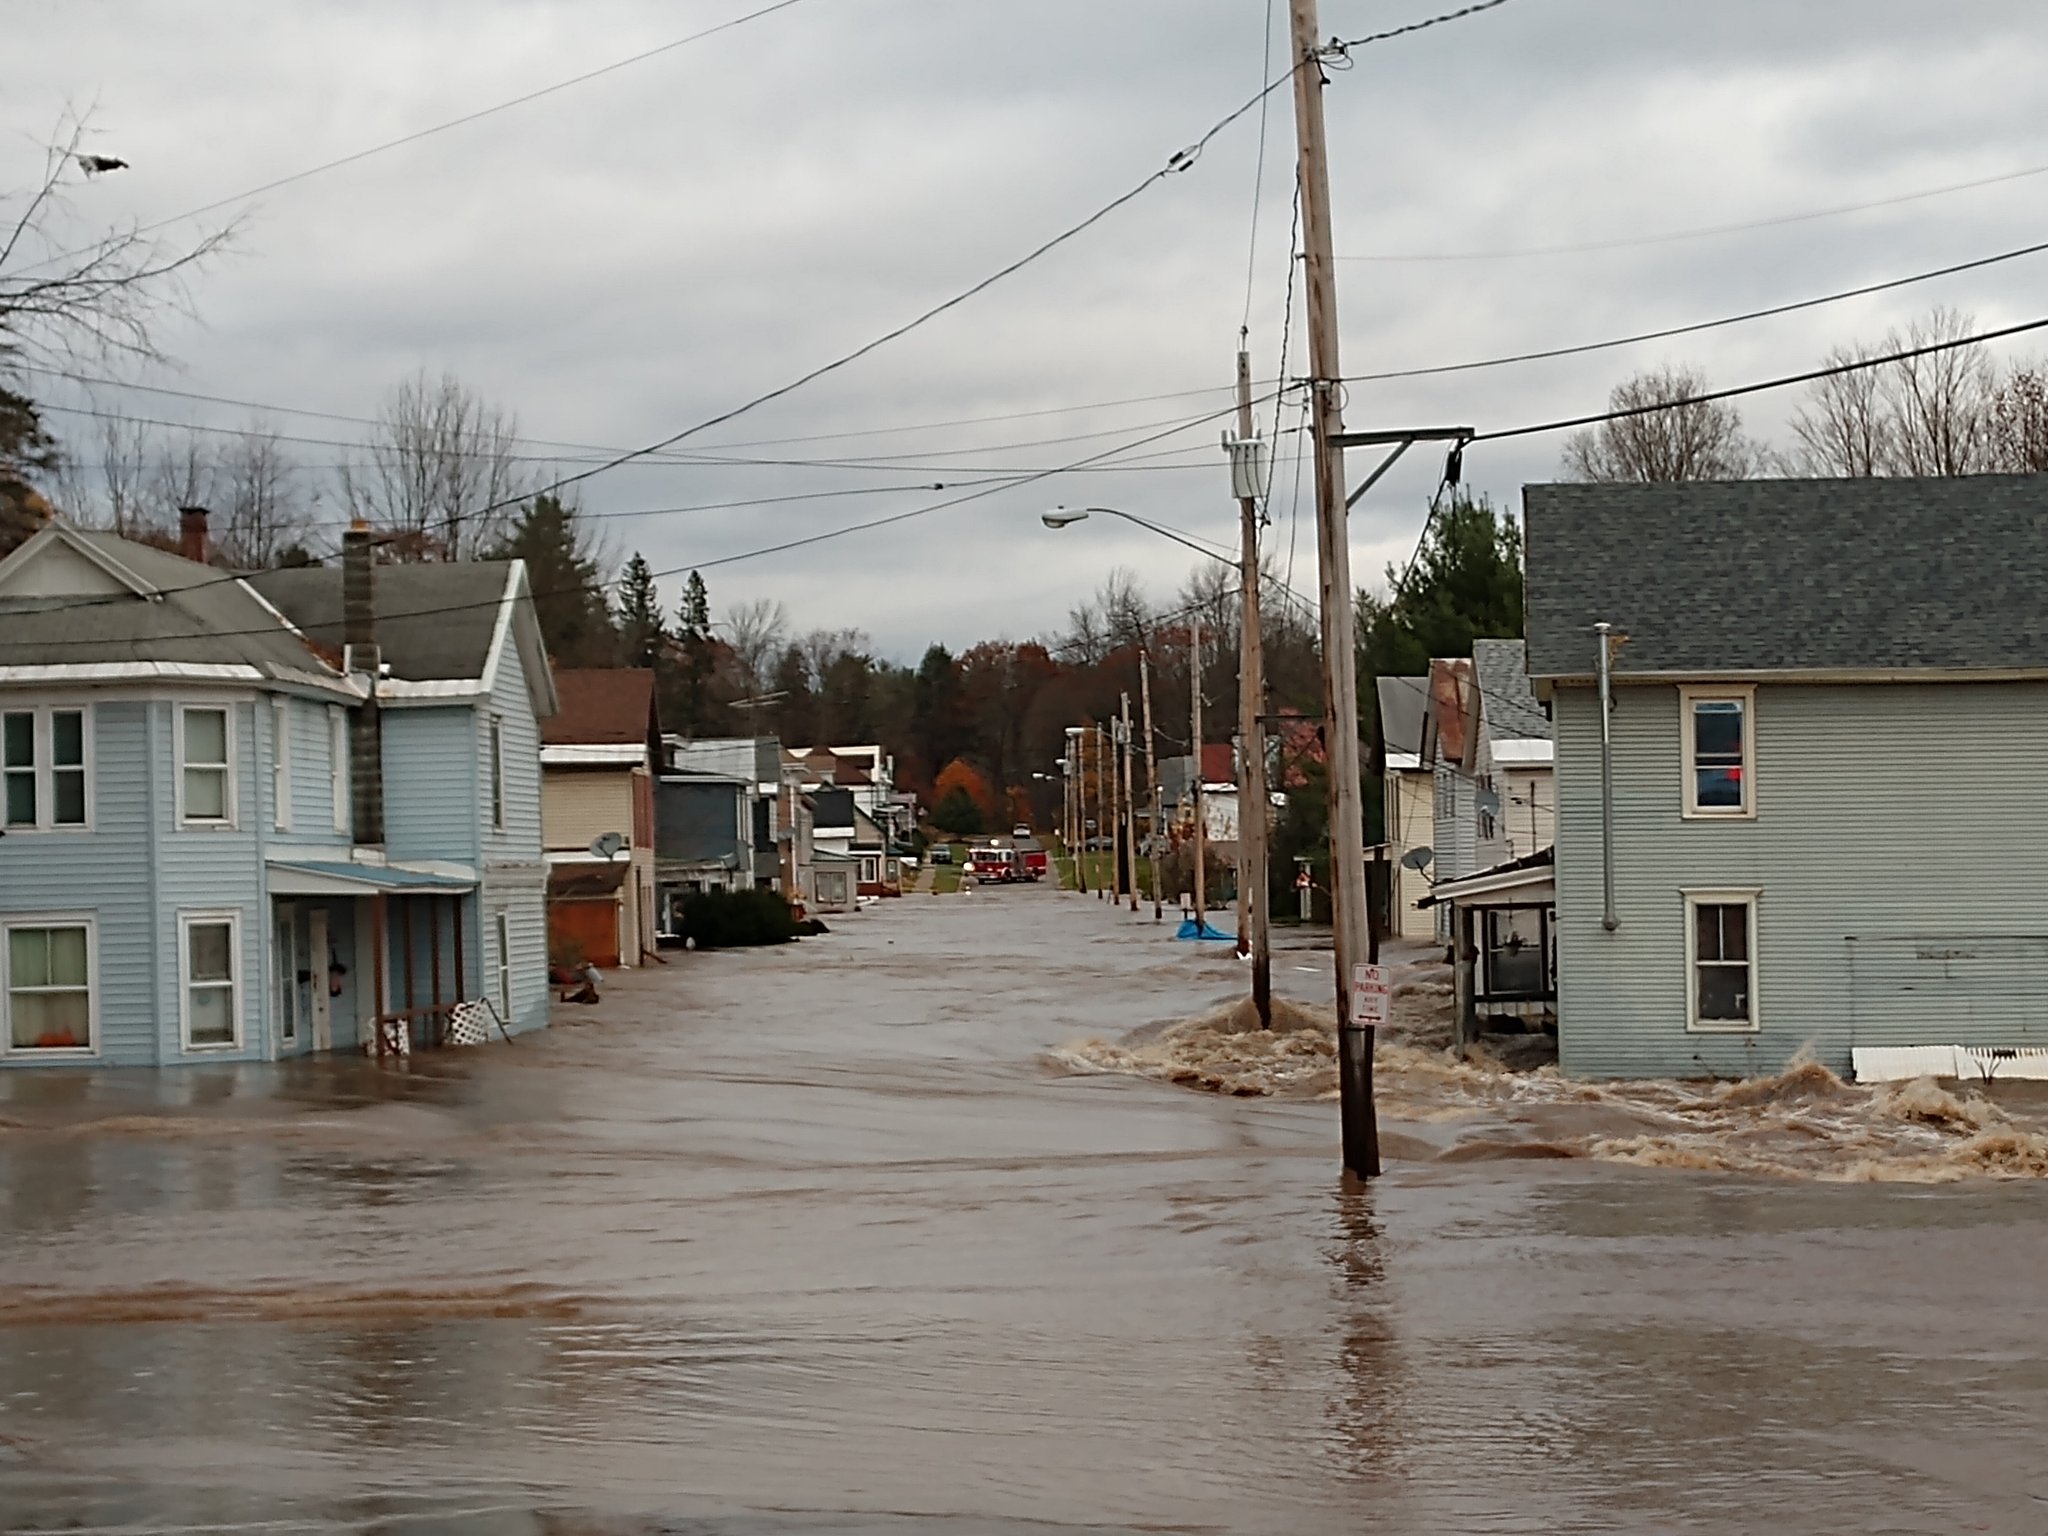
[1417, 26]
[1251, 260]
[1675, 236]
[455, 122]
[1028, 478]
[1703, 325]
[1180, 161]
[1809, 377]
[271, 407]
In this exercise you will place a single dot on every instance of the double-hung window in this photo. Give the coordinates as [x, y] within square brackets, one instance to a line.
[1720, 751]
[1720, 952]
[210, 955]
[46, 769]
[206, 785]
[49, 984]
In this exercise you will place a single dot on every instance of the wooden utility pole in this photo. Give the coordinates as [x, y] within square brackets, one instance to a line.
[1151, 774]
[1253, 939]
[1103, 820]
[1351, 918]
[1195, 744]
[1130, 817]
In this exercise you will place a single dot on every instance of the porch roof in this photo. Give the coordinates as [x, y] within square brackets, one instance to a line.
[319, 877]
[1523, 882]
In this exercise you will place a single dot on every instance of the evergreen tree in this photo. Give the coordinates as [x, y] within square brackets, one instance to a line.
[642, 630]
[568, 586]
[690, 704]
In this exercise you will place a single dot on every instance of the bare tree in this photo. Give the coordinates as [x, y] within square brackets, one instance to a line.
[1931, 415]
[180, 475]
[1941, 403]
[262, 511]
[75, 294]
[1691, 440]
[821, 648]
[106, 483]
[2019, 421]
[442, 478]
[1845, 427]
[756, 632]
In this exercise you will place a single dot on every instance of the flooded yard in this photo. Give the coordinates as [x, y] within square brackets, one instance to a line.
[862, 1235]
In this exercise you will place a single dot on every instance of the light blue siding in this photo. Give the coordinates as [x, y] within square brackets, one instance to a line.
[312, 788]
[430, 776]
[1896, 850]
[213, 869]
[514, 874]
[104, 873]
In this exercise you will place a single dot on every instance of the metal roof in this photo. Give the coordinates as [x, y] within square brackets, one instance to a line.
[1403, 702]
[1830, 576]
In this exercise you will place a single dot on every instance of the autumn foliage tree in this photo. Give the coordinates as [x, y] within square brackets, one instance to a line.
[963, 802]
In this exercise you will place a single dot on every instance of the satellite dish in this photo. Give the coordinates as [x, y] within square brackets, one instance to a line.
[1488, 800]
[607, 846]
[1417, 859]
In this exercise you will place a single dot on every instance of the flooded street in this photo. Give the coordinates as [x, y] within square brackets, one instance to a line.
[820, 1239]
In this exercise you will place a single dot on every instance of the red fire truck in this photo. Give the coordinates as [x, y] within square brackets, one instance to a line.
[992, 864]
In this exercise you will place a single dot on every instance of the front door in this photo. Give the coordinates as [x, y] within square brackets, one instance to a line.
[317, 962]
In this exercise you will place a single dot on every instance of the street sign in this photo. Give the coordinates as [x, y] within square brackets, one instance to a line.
[1372, 995]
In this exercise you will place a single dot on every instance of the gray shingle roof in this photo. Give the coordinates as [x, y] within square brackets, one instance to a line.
[1403, 702]
[1776, 575]
[203, 617]
[434, 621]
[1507, 704]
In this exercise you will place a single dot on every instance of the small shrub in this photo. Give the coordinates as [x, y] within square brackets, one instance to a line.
[737, 919]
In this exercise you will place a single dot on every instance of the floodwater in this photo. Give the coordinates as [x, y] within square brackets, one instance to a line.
[860, 1236]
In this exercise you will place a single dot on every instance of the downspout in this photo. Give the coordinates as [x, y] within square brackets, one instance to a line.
[1608, 919]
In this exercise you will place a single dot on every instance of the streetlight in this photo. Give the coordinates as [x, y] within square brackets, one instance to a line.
[1253, 937]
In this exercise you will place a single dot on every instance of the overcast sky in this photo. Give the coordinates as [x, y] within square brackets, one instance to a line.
[619, 260]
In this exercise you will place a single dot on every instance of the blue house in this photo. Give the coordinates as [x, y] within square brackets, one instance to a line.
[1796, 772]
[243, 818]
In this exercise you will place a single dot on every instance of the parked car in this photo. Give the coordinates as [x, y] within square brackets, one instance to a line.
[1020, 830]
[942, 853]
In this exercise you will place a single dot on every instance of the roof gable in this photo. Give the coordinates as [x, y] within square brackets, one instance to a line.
[1507, 704]
[1878, 576]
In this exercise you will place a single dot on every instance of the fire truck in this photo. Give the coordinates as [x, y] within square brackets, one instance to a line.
[993, 864]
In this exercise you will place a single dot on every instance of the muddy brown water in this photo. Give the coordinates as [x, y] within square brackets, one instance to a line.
[822, 1240]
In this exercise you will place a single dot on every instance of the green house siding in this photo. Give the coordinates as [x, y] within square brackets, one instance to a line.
[1897, 853]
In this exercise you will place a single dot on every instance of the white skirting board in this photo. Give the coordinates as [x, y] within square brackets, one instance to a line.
[1896, 1063]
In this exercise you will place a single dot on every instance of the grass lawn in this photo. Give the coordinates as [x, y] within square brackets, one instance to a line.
[946, 877]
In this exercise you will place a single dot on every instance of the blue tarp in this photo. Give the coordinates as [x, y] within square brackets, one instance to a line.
[1190, 929]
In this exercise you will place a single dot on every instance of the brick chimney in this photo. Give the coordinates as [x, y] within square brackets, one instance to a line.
[192, 533]
[365, 663]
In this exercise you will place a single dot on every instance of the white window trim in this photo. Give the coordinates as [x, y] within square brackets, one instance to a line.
[281, 762]
[187, 920]
[43, 750]
[337, 765]
[228, 823]
[90, 923]
[496, 747]
[1747, 896]
[1735, 693]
